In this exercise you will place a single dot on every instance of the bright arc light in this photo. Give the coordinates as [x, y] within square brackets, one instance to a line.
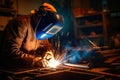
[53, 63]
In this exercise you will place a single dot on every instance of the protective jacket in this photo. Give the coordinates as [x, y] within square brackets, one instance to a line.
[19, 44]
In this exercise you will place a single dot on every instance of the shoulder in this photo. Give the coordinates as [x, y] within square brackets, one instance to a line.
[19, 21]
[22, 18]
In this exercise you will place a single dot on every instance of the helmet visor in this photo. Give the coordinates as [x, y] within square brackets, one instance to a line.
[48, 26]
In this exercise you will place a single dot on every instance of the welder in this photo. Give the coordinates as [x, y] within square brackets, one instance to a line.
[25, 37]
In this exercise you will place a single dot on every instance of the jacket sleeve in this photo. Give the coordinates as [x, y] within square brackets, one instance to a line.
[14, 35]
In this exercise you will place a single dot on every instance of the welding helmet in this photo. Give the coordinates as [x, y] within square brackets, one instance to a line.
[50, 22]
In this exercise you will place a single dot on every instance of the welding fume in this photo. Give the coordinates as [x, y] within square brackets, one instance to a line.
[25, 38]
[80, 55]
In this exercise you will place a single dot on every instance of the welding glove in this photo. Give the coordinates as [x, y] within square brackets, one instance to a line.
[43, 61]
[47, 57]
[37, 62]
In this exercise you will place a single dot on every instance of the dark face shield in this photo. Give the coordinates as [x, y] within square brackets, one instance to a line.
[48, 25]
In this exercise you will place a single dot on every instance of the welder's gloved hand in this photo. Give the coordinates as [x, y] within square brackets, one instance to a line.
[47, 57]
[37, 62]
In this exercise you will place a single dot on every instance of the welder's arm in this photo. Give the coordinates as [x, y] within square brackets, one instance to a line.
[14, 36]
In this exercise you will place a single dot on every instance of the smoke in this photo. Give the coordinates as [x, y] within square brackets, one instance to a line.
[67, 52]
[77, 55]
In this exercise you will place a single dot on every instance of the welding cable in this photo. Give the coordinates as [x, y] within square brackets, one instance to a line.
[37, 26]
[36, 58]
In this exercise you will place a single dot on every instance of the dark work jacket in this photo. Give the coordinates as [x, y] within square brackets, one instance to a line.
[19, 42]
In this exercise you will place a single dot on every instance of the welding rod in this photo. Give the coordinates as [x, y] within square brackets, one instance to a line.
[76, 65]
